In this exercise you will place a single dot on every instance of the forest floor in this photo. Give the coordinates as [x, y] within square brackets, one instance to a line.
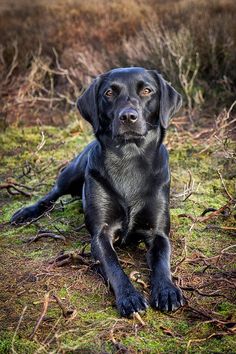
[52, 300]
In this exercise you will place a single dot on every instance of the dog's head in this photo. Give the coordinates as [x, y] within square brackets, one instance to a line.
[128, 102]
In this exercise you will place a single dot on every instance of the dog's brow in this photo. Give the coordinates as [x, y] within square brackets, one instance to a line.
[115, 85]
[141, 84]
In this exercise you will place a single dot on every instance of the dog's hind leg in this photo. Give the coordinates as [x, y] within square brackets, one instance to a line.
[31, 212]
[70, 181]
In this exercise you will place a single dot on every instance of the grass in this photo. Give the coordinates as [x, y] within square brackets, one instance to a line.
[96, 326]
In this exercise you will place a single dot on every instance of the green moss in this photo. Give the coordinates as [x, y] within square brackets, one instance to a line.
[153, 342]
[77, 286]
[226, 308]
[63, 292]
[213, 345]
[20, 345]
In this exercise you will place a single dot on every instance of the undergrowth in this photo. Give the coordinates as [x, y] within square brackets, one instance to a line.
[36, 273]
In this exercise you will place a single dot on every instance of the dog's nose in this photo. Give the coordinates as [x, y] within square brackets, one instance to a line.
[128, 115]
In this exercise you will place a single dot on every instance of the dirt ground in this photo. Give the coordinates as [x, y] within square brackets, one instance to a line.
[52, 299]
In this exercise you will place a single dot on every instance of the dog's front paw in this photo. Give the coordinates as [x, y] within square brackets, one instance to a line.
[166, 296]
[24, 215]
[130, 302]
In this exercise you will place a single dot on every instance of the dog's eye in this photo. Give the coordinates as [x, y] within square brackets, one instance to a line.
[145, 92]
[108, 93]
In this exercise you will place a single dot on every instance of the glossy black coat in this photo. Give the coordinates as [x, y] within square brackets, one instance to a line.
[123, 178]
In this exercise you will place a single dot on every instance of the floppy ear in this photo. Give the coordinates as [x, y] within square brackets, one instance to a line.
[88, 106]
[170, 101]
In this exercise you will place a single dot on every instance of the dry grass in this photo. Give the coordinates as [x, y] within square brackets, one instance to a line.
[49, 52]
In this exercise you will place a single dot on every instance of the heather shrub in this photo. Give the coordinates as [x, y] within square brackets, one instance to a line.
[50, 52]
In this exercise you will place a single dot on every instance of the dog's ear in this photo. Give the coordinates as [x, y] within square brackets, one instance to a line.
[88, 106]
[170, 100]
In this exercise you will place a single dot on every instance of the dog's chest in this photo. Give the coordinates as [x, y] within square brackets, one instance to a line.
[131, 175]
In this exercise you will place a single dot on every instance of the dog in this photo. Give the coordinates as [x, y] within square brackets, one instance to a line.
[123, 179]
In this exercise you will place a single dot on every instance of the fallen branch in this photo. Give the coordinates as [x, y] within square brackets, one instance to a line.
[13, 189]
[202, 257]
[188, 189]
[169, 332]
[207, 210]
[200, 340]
[67, 312]
[212, 294]
[71, 259]
[213, 214]
[222, 228]
[79, 228]
[46, 234]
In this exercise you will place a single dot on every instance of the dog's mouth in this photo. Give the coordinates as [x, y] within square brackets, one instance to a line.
[129, 135]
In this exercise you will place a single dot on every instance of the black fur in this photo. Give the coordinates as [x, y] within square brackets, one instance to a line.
[123, 177]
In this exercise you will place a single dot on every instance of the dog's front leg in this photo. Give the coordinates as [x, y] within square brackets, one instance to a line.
[165, 295]
[128, 299]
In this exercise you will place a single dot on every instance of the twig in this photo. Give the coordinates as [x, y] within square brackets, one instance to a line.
[168, 332]
[43, 313]
[227, 248]
[41, 144]
[13, 64]
[117, 344]
[46, 234]
[39, 217]
[71, 258]
[221, 228]
[217, 334]
[205, 218]
[190, 186]
[79, 228]
[214, 213]
[213, 294]
[188, 189]
[207, 210]
[135, 276]
[139, 318]
[189, 216]
[65, 311]
[124, 261]
[17, 329]
[10, 186]
[223, 184]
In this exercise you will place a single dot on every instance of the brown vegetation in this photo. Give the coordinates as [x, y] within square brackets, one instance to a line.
[49, 52]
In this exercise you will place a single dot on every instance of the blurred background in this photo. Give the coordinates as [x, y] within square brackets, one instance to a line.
[51, 50]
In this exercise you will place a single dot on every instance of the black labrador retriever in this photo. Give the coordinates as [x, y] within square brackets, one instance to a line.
[123, 178]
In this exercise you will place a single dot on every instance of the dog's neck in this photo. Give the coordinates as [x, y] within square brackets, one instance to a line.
[130, 161]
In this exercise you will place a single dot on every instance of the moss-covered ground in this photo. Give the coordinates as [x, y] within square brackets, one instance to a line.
[203, 177]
